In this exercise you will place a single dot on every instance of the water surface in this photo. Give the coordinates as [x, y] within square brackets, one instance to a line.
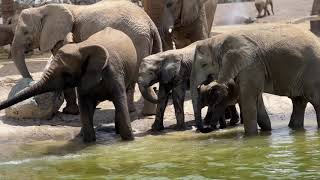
[177, 155]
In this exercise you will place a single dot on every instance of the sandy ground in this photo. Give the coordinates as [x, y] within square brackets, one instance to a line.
[67, 127]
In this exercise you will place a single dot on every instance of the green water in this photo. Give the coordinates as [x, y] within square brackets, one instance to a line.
[225, 154]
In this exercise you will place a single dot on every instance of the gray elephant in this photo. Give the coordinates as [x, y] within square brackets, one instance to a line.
[171, 69]
[186, 21]
[281, 60]
[262, 5]
[6, 34]
[220, 98]
[46, 27]
[107, 57]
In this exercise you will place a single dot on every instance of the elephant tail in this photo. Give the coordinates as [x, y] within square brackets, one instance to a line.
[157, 43]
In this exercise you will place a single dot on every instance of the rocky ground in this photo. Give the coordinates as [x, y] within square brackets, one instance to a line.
[67, 127]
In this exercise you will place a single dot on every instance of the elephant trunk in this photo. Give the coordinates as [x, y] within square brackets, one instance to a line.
[147, 94]
[36, 89]
[17, 53]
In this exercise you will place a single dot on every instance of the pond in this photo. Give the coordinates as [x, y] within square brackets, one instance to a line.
[224, 154]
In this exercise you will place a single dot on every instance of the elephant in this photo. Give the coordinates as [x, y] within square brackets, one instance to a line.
[107, 57]
[280, 60]
[262, 5]
[171, 69]
[186, 21]
[47, 26]
[220, 97]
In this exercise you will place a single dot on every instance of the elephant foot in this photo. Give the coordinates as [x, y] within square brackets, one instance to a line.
[88, 136]
[71, 109]
[222, 126]
[180, 127]
[234, 121]
[157, 127]
[295, 125]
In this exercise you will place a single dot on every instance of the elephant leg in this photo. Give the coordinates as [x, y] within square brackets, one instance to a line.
[250, 90]
[163, 101]
[209, 116]
[87, 108]
[222, 122]
[317, 109]
[122, 117]
[263, 118]
[71, 106]
[178, 94]
[130, 98]
[298, 109]
[234, 115]
[227, 113]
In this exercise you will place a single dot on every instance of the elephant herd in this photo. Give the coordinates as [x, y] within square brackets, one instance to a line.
[102, 50]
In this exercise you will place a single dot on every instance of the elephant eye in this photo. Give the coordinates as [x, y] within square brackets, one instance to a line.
[204, 65]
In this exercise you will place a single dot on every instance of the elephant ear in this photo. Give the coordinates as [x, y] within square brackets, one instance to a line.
[190, 10]
[170, 68]
[236, 55]
[94, 58]
[57, 22]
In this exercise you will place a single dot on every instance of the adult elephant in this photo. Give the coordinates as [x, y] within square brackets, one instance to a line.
[281, 60]
[46, 27]
[186, 21]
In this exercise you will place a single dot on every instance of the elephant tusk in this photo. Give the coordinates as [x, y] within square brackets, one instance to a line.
[170, 30]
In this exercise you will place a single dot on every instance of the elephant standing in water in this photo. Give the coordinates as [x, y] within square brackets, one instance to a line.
[46, 27]
[186, 21]
[101, 67]
[281, 60]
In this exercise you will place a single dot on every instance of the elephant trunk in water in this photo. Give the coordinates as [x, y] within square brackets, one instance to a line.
[18, 57]
[35, 89]
[146, 93]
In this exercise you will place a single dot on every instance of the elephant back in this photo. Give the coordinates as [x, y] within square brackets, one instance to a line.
[154, 9]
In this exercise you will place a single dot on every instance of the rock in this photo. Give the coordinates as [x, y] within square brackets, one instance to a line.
[43, 106]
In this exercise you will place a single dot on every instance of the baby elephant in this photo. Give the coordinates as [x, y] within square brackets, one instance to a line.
[262, 5]
[102, 68]
[220, 97]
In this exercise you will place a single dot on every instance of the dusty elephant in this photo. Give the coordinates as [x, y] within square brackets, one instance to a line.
[220, 97]
[281, 60]
[262, 5]
[171, 69]
[46, 27]
[186, 21]
[107, 57]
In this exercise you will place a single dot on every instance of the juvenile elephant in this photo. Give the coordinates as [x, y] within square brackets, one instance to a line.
[262, 5]
[220, 97]
[171, 69]
[186, 21]
[46, 27]
[101, 67]
[281, 60]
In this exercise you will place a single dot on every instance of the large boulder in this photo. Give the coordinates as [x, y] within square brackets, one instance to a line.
[43, 106]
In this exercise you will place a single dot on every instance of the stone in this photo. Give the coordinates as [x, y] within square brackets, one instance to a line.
[42, 106]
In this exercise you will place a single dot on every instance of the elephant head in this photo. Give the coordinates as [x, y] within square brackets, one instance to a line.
[213, 93]
[162, 67]
[180, 13]
[223, 57]
[43, 27]
[72, 66]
